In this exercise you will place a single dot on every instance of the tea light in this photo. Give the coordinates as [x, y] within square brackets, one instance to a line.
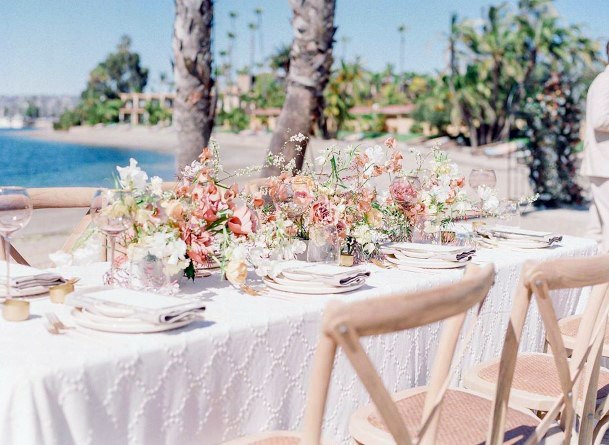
[16, 310]
[346, 260]
[58, 293]
[477, 225]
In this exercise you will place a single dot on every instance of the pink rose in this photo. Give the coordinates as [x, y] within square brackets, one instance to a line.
[403, 192]
[323, 212]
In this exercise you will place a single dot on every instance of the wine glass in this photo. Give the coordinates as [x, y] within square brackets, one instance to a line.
[110, 213]
[15, 214]
[482, 177]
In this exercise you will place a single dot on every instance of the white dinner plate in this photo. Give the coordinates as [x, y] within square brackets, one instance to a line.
[27, 292]
[99, 322]
[308, 287]
[426, 264]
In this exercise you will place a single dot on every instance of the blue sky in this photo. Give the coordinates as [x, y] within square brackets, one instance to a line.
[49, 46]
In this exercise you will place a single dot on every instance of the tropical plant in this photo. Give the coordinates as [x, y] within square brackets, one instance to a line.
[119, 72]
[236, 119]
[157, 113]
[505, 58]
[553, 129]
[310, 65]
[280, 60]
[195, 104]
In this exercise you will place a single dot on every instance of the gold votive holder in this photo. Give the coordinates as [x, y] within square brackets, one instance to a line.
[16, 310]
[477, 225]
[58, 293]
[346, 260]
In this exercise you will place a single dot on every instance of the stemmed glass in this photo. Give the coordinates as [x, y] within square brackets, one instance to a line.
[482, 177]
[15, 214]
[110, 213]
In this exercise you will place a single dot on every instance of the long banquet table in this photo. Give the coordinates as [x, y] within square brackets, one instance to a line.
[243, 369]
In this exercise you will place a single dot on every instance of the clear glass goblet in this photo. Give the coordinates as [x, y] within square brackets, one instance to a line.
[15, 213]
[110, 213]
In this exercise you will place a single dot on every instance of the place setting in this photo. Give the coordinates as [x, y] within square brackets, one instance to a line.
[515, 238]
[300, 277]
[411, 256]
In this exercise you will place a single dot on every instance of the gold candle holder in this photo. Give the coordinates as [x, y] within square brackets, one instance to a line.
[16, 310]
[447, 236]
[58, 293]
[476, 225]
[346, 260]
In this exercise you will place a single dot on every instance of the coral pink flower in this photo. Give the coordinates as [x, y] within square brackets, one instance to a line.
[242, 222]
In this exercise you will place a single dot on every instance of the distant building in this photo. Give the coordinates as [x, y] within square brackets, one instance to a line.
[398, 118]
[134, 108]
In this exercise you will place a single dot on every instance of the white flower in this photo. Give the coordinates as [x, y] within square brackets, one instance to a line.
[488, 196]
[132, 177]
[156, 185]
[376, 156]
[61, 258]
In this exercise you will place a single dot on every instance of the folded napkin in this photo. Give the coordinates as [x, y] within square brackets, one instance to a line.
[46, 279]
[126, 303]
[325, 273]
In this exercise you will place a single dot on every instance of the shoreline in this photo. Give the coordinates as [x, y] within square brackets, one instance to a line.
[160, 140]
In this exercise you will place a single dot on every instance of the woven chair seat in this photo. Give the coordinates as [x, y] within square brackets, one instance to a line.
[463, 420]
[536, 384]
[570, 326]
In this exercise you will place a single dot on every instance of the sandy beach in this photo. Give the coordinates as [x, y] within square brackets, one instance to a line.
[49, 228]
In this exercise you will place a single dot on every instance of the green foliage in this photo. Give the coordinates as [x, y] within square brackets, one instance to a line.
[32, 111]
[120, 72]
[500, 61]
[267, 92]
[553, 130]
[280, 60]
[236, 119]
[157, 113]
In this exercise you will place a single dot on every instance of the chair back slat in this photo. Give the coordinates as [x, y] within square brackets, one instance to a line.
[344, 325]
[537, 280]
[401, 312]
[61, 197]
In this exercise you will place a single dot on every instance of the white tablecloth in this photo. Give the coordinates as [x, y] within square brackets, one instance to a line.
[243, 370]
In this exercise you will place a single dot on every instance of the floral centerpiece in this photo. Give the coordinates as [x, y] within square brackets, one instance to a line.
[188, 226]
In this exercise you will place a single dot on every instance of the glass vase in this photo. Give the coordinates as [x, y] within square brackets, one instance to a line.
[324, 245]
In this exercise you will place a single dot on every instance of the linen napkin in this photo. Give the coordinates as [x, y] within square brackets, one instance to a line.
[126, 303]
[326, 273]
[46, 279]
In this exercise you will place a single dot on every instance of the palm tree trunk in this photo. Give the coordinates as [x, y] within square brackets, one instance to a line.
[310, 65]
[195, 103]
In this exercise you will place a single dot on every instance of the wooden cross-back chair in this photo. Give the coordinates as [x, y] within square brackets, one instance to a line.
[345, 324]
[60, 198]
[563, 388]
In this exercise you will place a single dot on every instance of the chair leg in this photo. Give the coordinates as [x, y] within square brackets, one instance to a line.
[600, 429]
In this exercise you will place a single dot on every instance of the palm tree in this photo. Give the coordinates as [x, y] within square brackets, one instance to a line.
[281, 59]
[345, 41]
[252, 28]
[310, 65]
[258, 12]
[194, 108]
[402, 30]
[231, 46]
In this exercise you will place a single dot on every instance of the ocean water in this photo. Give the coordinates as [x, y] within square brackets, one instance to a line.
[31, 162]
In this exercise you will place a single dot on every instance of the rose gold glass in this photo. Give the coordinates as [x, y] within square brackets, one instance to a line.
[15, 214]
[110, 214]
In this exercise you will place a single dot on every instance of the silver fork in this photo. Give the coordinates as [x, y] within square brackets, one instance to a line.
[56, 327]
[54, 320]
